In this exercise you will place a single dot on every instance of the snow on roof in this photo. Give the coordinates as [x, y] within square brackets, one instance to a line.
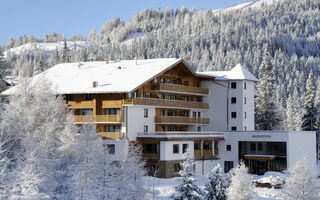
[239, 72]
[115, 77]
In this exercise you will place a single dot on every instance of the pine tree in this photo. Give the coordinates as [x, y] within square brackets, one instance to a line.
[88, 166]
[266, 117]
[303, 183]
[309, 118]
[65, 57]
[187, 189]
[56, 58]
[41, 65]
[293, 119]
[216, 188]
[3, 67]
[240, 187]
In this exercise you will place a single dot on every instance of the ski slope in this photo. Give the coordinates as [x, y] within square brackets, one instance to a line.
[256, 4]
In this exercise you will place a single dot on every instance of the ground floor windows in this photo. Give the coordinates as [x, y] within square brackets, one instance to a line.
[175, 148]
[233, 128]
[207, 145]
[145, 129]
[112, 128]
[228, 165]
[151, 148]
[228, 147]
[176, 168]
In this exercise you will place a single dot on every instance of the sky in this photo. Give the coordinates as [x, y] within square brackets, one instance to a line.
[71, 17]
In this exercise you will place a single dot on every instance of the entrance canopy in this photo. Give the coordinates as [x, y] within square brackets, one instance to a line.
[259, 157]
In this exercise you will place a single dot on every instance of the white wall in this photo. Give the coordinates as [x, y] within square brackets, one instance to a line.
[120, 148]
[166, 150]
[136, 120]
[301, 144]
[217, 101]
[204, 167]
[249, 122]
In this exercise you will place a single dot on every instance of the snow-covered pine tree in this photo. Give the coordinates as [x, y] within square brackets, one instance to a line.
[56, 57]
[293, 119]
[3, 67]
[65, 56]
[240, 187]
[309, 118]
[303, 183]
[216, 188]
[37, 118]
[187, 188]
[125, 179]
[88, 165]
[41, 65]
[266, 116]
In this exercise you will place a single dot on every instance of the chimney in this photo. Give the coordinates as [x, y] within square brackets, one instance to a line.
[95, 84]
[106, 60]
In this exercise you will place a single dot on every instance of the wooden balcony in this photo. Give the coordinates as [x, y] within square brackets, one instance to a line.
[151, 156]
[181, 89]
[166, 103]
[98, 118]
[81, 104]
[111, 135]
[180, 120]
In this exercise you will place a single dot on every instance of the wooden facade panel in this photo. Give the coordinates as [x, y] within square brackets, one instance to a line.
[81, 104]
[112, 104]
[111, 135]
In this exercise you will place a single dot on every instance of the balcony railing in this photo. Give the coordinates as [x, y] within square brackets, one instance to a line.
[172, 133]
[166, 103]
[181, 88]
[181, 120]
[111, 135]
[98, 118]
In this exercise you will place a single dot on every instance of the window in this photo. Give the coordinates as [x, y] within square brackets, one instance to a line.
[150, 148]
[233, 128]
[163, 128]
[199, 129]
[194, 114]
[228, 147]
[172, 113]
[145, 114]
[245, 128]
[69, 97]
[111, 149]
[169, 81]
[186, 113]
[253, 146]
[145, 128]
[216, 147]
[245, 115]
[162, 112]
[184, 147]
[199, 114]
[172, 97]
[112, 128]
[245, 85]
[245, 100]
[172, 128]
[233, 85]
[162, 80]
[228, 165]
[148, 95]
[197, 146]
[197, 99]
[85, 111]
[185, 98]
[89, 97]
[161, 96]
[112, 111]
[175, 148]
[233, 100]
[233, 114]
[259, 146]
[176, 167]
[207, 145]
[174, 82]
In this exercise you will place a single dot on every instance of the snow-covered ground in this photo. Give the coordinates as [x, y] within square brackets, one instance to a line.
[164, 187]
[246, 5]
[132, 36]
[48, 48]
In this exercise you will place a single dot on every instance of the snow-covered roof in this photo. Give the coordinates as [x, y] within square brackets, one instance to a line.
[239, 72]
[116, 77]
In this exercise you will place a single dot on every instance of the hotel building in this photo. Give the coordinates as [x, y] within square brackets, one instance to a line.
[166, 107]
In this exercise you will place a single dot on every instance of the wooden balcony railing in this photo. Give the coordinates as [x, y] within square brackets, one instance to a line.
[111, 135]
[166, 103]
[181, 120]
[181, 89]
[155, 156]
[98, 118]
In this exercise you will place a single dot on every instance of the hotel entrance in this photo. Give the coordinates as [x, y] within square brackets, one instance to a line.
[263, 156]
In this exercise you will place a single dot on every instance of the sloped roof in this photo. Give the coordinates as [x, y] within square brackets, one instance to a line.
[239, 72]
[115, 77]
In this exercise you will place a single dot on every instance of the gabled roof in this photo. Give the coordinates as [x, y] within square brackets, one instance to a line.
[116, 77]
[239, 72]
